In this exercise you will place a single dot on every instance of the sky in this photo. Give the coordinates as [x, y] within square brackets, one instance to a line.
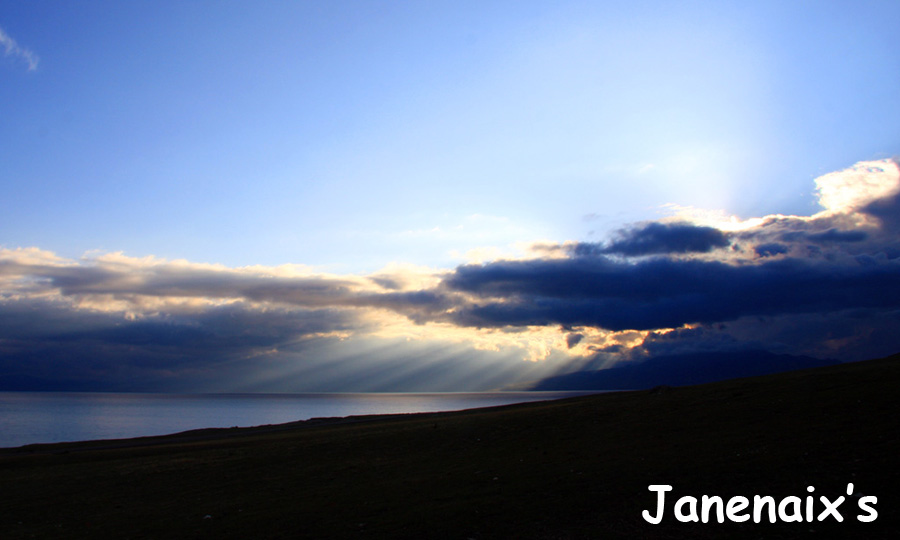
[439, 196]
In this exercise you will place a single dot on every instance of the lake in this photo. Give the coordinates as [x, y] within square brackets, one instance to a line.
[48, 417]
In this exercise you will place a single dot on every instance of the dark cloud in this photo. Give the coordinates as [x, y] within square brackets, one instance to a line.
[657, 239]
[887, 211]
[828, 232]
[826, 285]
[57, 346]
[663, 293]
[168, 281]
[834, 235]
[829, 236]
[164, 281]
[386, 282]
[573, 339]
[770, 250]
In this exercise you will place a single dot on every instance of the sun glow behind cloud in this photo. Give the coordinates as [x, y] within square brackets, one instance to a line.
[479, 194]
[839, 193]
[693, 281]
[858, 186]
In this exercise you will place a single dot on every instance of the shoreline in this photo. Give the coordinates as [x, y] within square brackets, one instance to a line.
[41, 418]
[571, 468]
[224, 433]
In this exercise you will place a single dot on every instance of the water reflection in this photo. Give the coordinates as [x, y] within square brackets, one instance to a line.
[27, 418]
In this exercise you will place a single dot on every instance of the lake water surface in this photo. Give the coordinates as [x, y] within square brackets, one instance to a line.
[46, 417]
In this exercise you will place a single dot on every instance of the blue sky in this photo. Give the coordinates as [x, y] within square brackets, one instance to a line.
[362, 139]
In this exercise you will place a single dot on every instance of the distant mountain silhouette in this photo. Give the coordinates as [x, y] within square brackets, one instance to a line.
[680, 370]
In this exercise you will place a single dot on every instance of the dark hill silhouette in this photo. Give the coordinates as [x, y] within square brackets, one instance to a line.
[681, 370]
[577, 468]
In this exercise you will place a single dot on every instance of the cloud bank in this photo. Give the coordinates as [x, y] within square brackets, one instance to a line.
[826, 285]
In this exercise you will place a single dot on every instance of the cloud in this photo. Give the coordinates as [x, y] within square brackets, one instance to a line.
[63, 343]
[658, 238]
[11, 48]
[825, 285]
[122, 312]
[858, 186]
[664, 293]
[842, 263]
[113, 280]
[147, 322]
[770, 250]
[573, 339]
[834, 235]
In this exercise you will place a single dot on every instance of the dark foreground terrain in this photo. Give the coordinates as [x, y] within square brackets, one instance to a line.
[576, 468]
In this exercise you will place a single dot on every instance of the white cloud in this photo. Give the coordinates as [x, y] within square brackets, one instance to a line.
[857, 186]
[13, 49]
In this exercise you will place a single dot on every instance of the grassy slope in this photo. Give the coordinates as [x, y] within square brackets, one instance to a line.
[575, 468]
